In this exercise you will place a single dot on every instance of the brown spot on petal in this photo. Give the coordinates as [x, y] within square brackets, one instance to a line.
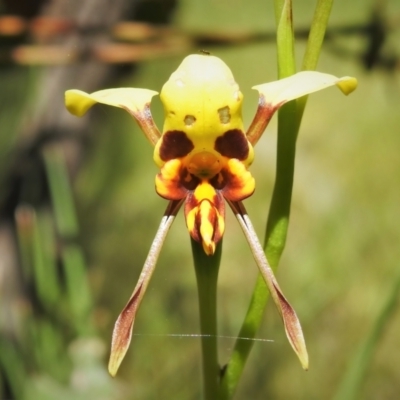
[224, 115]
[175, 144]
[189, 120]
[174, 181]
[233, 144]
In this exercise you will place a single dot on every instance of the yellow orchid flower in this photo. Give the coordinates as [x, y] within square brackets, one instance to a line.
[204, 154]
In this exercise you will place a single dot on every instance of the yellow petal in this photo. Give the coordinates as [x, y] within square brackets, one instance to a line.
[301, 84]
[131, 99]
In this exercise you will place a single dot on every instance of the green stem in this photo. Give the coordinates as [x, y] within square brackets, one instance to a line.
[289, 118]
[207, 276]
[314, 45]
[317, 34]
[242, 348]
[278, 217]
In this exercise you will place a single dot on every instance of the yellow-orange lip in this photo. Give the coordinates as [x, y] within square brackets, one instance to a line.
[204, 165]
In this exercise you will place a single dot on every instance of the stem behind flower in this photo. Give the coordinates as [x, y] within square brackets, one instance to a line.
[207, 268]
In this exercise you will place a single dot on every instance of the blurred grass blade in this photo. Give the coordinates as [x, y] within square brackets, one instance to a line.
[35, 233]
[355, 373]
[12, 368]
[78, 291]
[49, 348]
[61, 194]
[25, 224]
[75, 271]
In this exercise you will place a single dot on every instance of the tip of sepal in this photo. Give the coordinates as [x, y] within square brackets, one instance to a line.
[304, 360]
[122, 333]
[120, 342]
[347, 84]
[114, 363]
[292, 325]
[300, 349]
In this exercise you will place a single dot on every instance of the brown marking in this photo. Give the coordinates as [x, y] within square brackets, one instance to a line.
[189, 120]
[175, 144]
[219, 181]
[232, 144]
[230, 185]
[189, 181]
[224, 115]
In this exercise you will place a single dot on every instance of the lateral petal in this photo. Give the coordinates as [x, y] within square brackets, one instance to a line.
[171, 180]
[277, 93]
[238, 183]
[130, 99]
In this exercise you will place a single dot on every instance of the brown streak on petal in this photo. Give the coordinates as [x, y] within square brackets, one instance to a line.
[232, 144]
[220, 205]
[175, 144]
[191, 202]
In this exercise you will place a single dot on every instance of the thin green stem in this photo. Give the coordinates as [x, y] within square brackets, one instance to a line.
[207, 276]
[242, 348]
[278, 218]
[289, 118]
[285, 39]
[317, 34]
[279, 213]
[314, 45]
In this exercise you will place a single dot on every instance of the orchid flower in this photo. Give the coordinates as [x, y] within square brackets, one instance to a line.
[204, 154]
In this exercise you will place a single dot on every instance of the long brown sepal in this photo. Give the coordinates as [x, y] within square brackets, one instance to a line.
[122, 333]
[291, 322]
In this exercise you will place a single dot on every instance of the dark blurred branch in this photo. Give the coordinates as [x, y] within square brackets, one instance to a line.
[133, 41]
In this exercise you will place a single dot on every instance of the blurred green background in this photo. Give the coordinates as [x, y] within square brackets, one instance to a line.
[78, 215]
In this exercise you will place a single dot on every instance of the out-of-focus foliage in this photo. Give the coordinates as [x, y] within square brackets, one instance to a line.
[342, 255]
